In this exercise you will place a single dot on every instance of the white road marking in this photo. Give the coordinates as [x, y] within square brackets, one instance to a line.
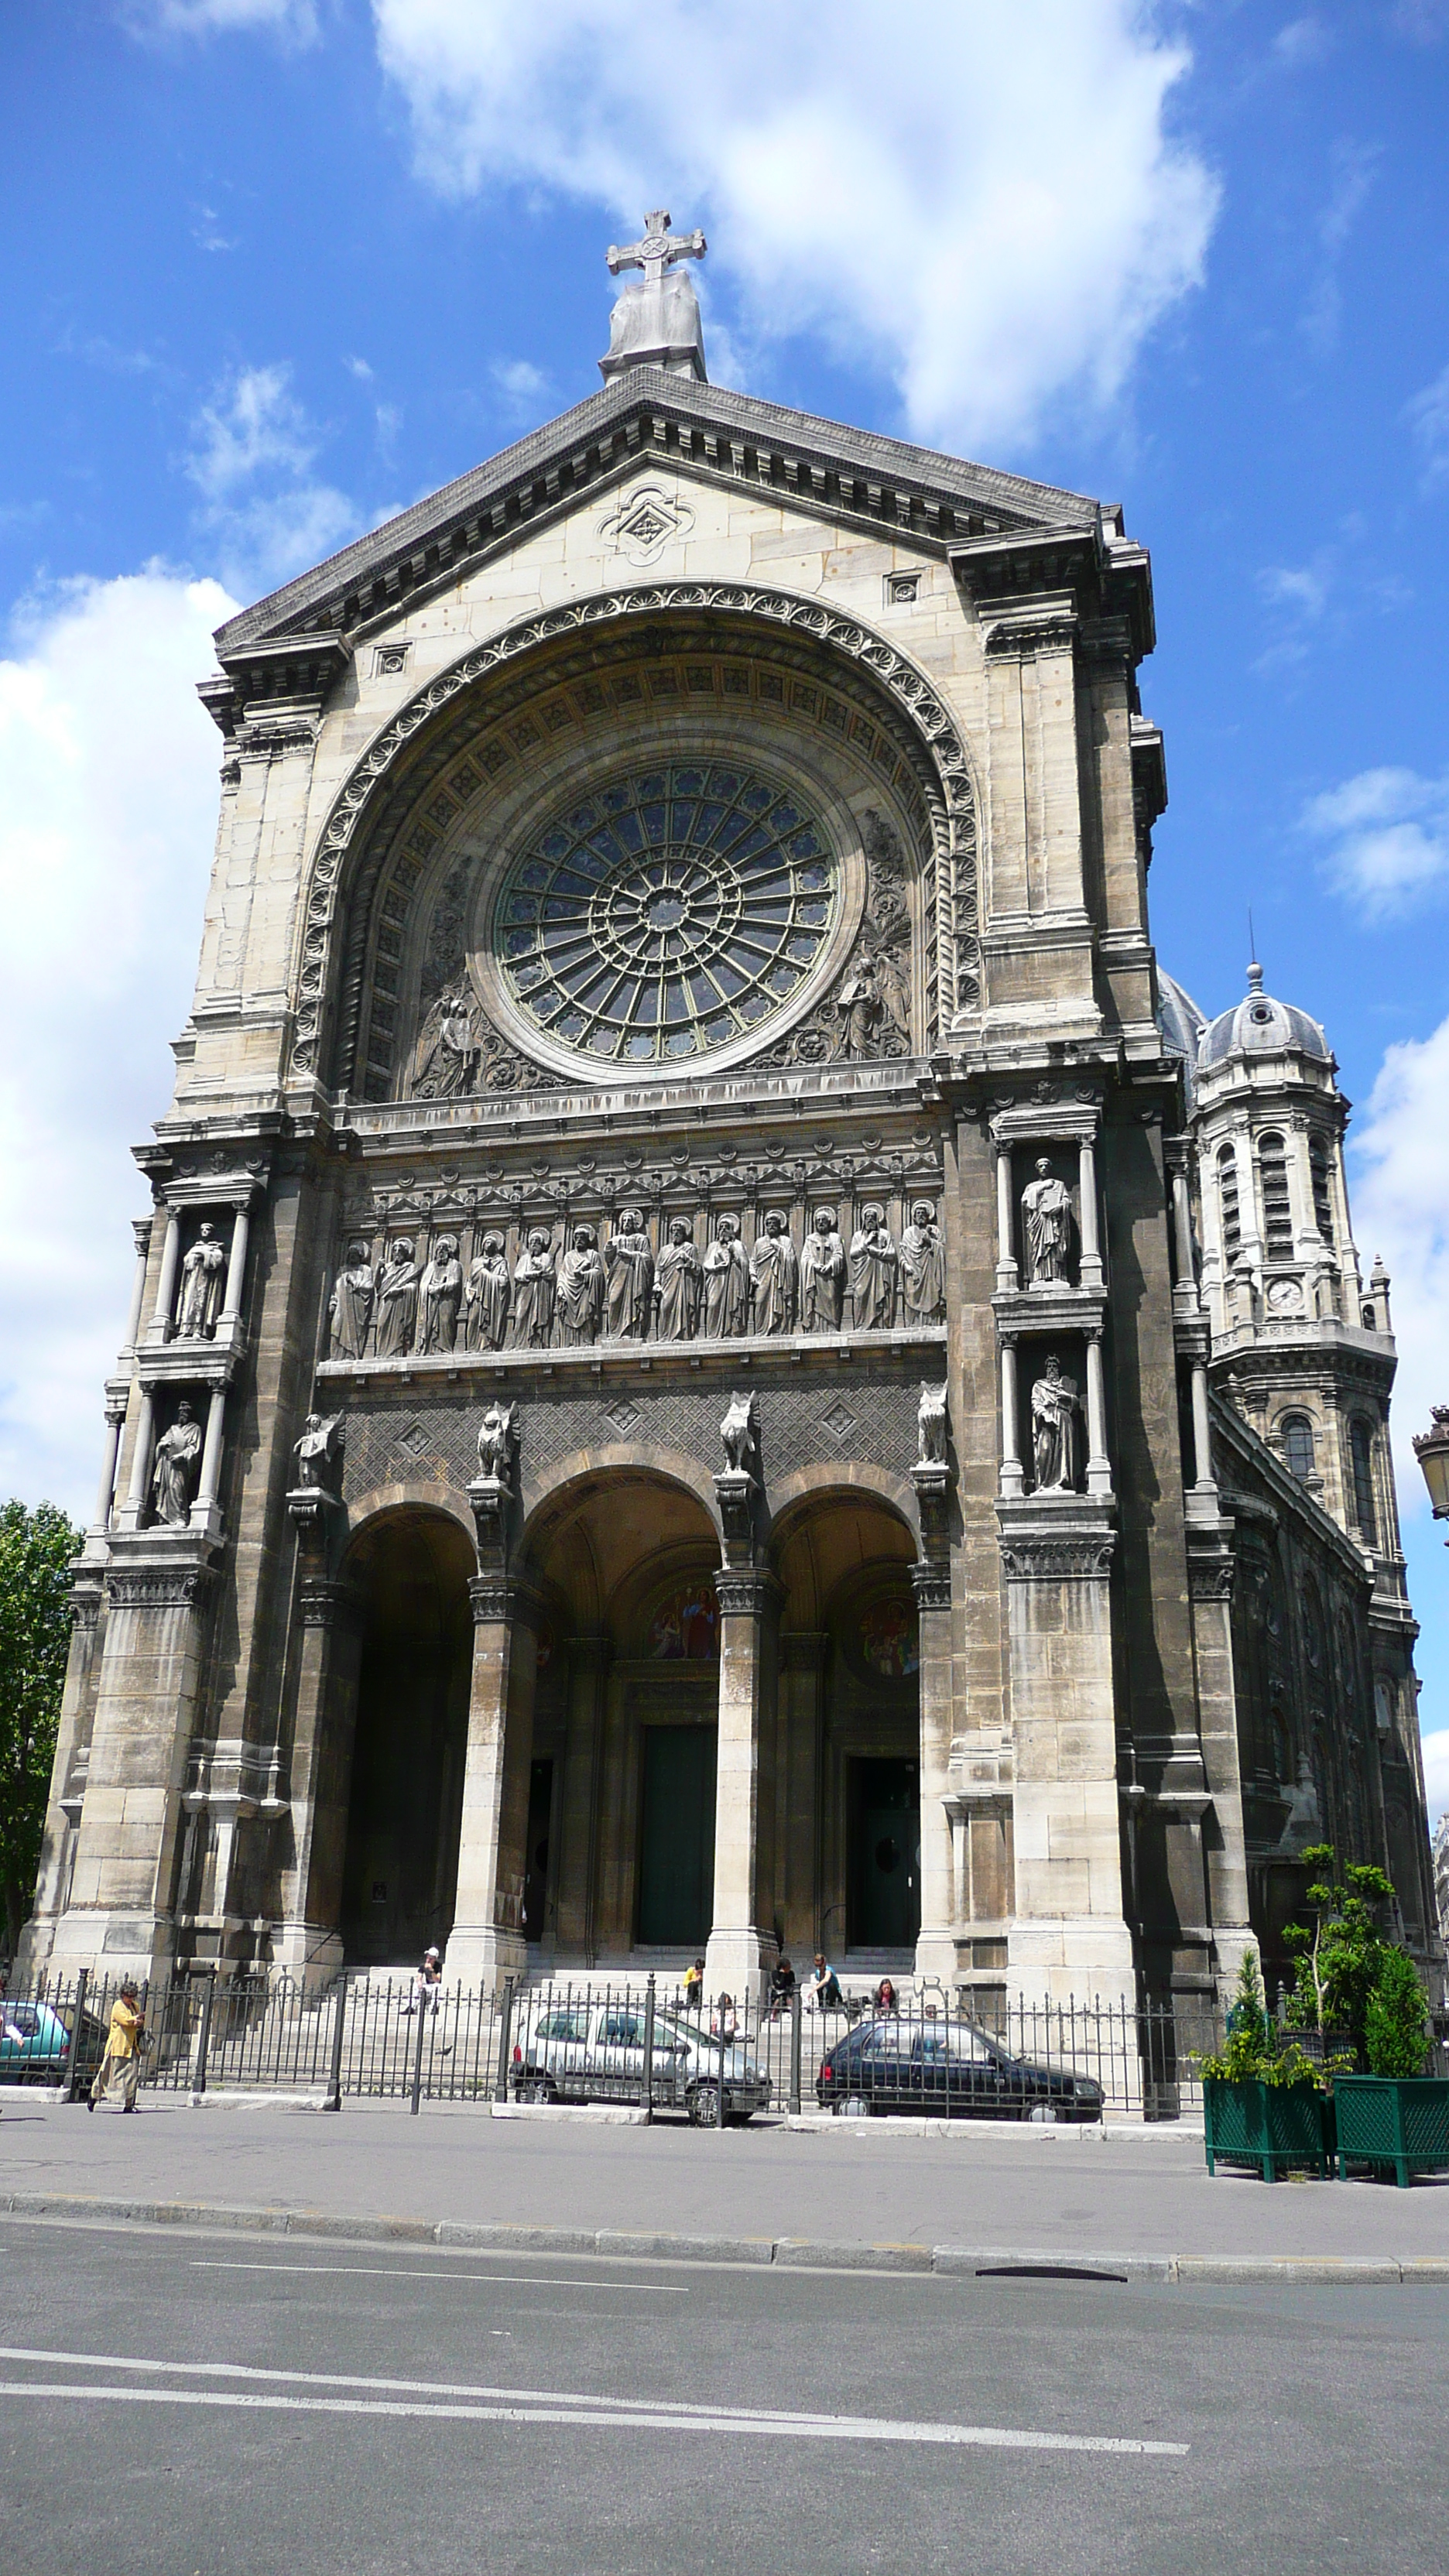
[410, 2398]
[406, 2272]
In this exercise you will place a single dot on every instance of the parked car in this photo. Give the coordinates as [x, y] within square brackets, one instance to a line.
[34, 2041]
[581, 2052]
[948, 2069]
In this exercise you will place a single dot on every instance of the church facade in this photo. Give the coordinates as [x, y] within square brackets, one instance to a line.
[720, 1360]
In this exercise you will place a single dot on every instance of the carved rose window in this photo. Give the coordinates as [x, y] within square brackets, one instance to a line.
[669, 913]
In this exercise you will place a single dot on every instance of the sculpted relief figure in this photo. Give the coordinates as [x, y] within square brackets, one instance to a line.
[931, 1426]
[486, 1297]
[176, 1467]
[203, 1277]
[678, 1284]
[859, 1011]
[495, 1442]
[822, 1275]
[533, 1288]
[580, 1290]
[349, 1308]
[1055, 1407]
[1046, 1205]
[726, 1283]
[923, 1267]
[872, 1273]
[629, 1257]
[775, 1277]
[448, 1052]
[397, 1302]
[319, 1454]
[1303, 1824]
[441, 1292]
[737, 1431]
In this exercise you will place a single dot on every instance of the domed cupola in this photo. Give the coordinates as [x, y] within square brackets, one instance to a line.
[1259, 1025]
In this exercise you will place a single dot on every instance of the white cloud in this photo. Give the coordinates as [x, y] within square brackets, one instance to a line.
[108, 795]
[1389, 836]
[1352, 167]
[1302, 590]
[296, 20]
[986, 202]
[1428, 418]
[1401, 1209]
[518, 379]
[1301, 42]
[1436, 1770]
[253, 446]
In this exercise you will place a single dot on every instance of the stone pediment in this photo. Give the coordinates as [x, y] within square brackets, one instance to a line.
[939, 504]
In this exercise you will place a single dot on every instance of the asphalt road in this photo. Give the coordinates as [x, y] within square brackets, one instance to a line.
[182, 2404]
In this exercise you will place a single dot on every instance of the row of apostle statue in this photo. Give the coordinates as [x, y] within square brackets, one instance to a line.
[583, 1291]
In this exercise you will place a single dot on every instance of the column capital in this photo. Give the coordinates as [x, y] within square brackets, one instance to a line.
[321, 1604]
[746, 1592]
[504, 1600]
[931, 1585]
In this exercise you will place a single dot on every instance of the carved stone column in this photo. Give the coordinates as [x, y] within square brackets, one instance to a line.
[487, 1942]
[742, 1943]
[67, 1779]
[577, 1874]
[308, 1941]
[937, 1954]
[1210, 1570]
[159, 1329]
[799, 1788]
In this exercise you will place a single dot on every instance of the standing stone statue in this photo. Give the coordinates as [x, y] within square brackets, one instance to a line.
[872, 1273]
[486, 1297]
[176, 1468]
[931, 1426]
[319, 1454]
[678, 1285]
[580, 1290]
[533, 1287]
[349, 1308]
[397, 1302]
[726, 1283]
[737, 1431]
[1046, 1205]
[1303, 1824]
[923, 1267]
[629, 1258]
[1055, 1406]
[775, 1277]
[441, 1293]
[495, 1442]
[822, 1275]
[203, 1277]
[859, 1011]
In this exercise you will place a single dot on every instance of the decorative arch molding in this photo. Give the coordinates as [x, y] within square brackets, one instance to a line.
[951, 798]
[544, 1496]
[849, 1480]
[387, 1501]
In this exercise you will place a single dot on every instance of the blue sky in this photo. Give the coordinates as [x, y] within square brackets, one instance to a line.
[288, 266]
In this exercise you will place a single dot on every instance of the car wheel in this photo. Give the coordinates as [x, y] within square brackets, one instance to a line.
[702, 2105]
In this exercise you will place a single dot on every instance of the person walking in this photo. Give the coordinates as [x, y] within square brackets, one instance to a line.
[123, 2050]
[427, 1991]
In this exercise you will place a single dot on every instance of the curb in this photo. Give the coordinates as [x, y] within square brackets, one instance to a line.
[783, 2253]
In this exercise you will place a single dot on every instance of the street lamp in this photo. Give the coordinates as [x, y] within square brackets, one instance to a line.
[1431, 1448]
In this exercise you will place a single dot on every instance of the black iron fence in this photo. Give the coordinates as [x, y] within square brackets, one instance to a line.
[646, 2042]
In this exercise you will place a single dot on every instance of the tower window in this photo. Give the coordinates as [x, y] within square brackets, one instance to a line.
[1297, 1435]
[1277, 1212]
[1228, 1194]
[1320, 1173]
[1361, 1443]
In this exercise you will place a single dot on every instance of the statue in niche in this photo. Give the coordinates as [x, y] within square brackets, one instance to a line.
[319, 1454]
[440, 1292]
[496, 1436]
[931, 1426]
[580, 1290]
[397, 1302]
[872, 1272]
[923, 1267]
[448, 1050]
[726, 1283]
[1303, 1824]
[1055, 1407]
[822, 1275]
[486, 1297]
[629, 1259]
[349, 1308]
[737, 1431]
[678, 1285]
[1046, 1206]
[203, 1277]
[533, 1293]
[859, 1011]
[775, 1277]
[176, 1467]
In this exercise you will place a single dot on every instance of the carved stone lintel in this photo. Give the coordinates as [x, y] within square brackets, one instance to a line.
[1035, 1556]
[167, 1587]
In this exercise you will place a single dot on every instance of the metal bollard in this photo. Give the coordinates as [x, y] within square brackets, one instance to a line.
[795, 2049]
[203, 2045]
[422, 2009]
[649, 2049]
[505, 2034]
[68, 2079]
[334, 2072]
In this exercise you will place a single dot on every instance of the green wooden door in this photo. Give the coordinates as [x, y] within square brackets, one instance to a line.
[885, 1838]
[676, 1839]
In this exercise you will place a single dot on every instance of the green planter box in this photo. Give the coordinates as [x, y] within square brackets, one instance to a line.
[1272, 2126]
[1401, 2121]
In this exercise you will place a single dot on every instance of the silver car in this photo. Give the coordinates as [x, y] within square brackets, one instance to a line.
[583, 2052]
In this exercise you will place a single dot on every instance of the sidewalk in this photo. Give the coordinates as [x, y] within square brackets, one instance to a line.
[1055, 2195]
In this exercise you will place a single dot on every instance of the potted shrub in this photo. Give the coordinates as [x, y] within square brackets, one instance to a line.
[1338, 1958]
[1396, 2114]
[1262, 2105]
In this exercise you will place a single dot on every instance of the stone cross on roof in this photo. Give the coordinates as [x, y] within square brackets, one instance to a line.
[658, 250]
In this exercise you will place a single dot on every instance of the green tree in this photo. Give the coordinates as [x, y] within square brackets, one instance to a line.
[35, 1552]
[1396, 2023]
[1339, 1957]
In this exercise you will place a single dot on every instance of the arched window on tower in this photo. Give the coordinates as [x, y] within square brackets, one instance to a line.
[1296, 1432]
[1228, 1196]
[1277, 1208]
[1361, 1444]
[1320, 1168]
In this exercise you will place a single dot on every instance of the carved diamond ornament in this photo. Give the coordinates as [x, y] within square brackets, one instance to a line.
[414, 1440]
[623, 1416]
[839, 1422]
[645, 521]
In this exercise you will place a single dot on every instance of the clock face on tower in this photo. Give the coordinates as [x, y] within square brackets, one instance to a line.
[668, 913]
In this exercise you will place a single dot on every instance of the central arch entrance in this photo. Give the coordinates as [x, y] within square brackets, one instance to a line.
[410, 1569]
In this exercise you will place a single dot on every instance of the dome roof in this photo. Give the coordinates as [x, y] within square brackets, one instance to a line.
[1181, 1022]
[1261, 1026]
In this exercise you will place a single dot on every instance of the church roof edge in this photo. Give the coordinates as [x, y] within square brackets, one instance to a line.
[317, 598]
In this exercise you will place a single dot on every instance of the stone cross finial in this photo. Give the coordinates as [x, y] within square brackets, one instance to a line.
[658, 250]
